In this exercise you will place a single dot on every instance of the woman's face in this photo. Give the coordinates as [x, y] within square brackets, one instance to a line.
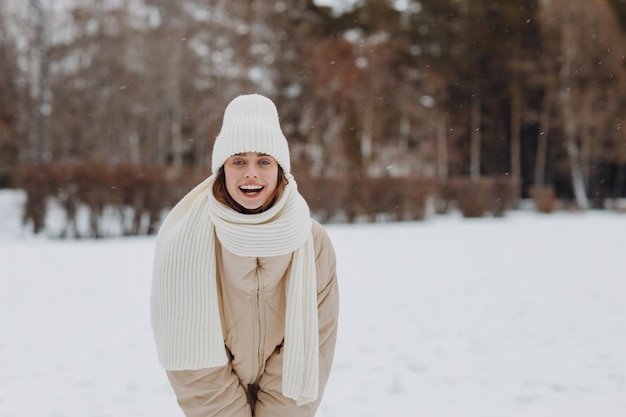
[251, 178]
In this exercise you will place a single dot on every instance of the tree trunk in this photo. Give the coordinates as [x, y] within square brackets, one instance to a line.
[42, 81]
[475, 138]
[569, 122]
[367, 134]
[174, 99]
[586, 138]
[516, 142]
[442, 150]
[578, 180]
[542, 140]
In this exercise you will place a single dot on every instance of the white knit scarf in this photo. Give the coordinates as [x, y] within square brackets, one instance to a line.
[184, 301]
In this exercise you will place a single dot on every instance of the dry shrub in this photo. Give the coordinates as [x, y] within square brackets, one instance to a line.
[504, 195]
[134, 195]
[38, 185]
[479, 197]
[544, 198]
[326, 196]
[403, 198]
[365, 198]
[418, 192]
[473, 197]
[138, 195]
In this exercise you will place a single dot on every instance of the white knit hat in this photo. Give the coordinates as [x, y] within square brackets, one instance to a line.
[251, 125]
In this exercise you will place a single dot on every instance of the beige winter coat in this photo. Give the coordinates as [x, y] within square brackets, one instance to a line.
[252, 306]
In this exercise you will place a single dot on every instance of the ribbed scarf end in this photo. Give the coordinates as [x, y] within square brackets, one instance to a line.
[301, 398]
[176, 364]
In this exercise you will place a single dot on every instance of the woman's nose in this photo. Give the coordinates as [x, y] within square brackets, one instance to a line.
[251, 171]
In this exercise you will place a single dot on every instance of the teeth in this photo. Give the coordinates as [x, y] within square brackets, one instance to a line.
[251, 187]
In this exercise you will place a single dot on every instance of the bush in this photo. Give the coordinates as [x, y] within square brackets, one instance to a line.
[117, 199]
[477, 198]
[544, 198]
[99, 200]
[505, 192]
[365, 198]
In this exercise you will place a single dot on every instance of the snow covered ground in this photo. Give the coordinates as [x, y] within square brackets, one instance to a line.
[517, 316]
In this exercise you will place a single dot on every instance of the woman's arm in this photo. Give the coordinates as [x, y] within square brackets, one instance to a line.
[271, 402]
[210, 392]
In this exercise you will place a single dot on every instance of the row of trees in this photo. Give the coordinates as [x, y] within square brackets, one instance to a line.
[531, 89]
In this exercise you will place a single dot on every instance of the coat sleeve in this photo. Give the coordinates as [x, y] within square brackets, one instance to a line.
[210, 392]
[270, 401]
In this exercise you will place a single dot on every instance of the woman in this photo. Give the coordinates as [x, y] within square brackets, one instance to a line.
[244, 295]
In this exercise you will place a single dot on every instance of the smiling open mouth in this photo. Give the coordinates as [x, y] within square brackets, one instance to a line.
[251, 190]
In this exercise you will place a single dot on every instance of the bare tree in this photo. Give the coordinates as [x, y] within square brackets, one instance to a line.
[9, 95]
[42, 78]
[586, 75]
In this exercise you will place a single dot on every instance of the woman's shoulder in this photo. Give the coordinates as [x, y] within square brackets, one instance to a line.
[318, 230]
[325, 258]
[320, 237]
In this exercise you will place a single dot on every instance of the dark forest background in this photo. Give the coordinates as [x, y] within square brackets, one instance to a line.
[390, 107]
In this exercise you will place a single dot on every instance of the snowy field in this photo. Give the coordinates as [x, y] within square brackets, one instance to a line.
[520, 316]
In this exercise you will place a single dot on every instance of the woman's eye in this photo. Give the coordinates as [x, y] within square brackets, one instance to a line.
[238, 162]
[265, 162]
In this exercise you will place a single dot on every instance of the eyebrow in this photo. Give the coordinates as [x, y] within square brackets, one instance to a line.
[259, 154]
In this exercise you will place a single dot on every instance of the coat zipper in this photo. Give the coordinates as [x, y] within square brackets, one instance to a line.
[260, 339]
